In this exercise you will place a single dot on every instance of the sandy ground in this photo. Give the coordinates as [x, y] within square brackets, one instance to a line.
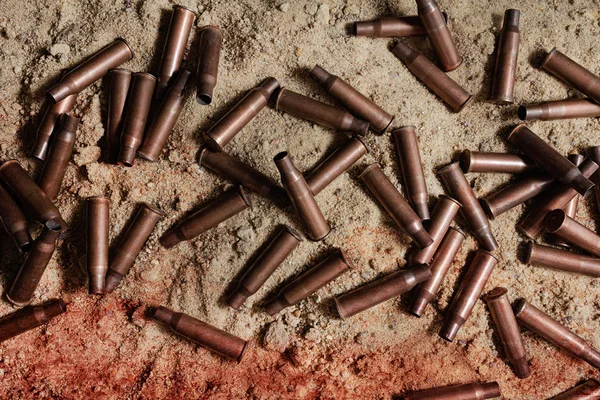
[105, 347]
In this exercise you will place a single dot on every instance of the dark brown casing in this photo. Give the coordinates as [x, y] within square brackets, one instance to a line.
[131, 244]
[516, 193]
[434, 78]
[136, 116]
[393, 26]
[540, 152]
[182, 20]
[560, 224]
[302, 198]
[469, 391]
[30, 274]
[532, 225]
[334, 165]
[50, 122]
[227, 205]
[164, 120]
[238, 171]
[238, 117]
[209, 51]
[506, 59]
[319, 113]
[396, 206]
[545, 256]
[59, 155]
[97, 223]
[90, 70]
[573, 74]
[441, 263]
[439, 35]
[551, 330]
[571, 207]
[29, 195]
[380, 290]
[309, 282]
[508, 330]
[206, 335]
[29, 318]
[593, 154]
[468, 293]
[588, 390]
[443, 214]
[407, 148]
[559, 109]
[14, 221]
[498, 163]
[455, 181]
[286, 240]
[357, 103]
[120, 80]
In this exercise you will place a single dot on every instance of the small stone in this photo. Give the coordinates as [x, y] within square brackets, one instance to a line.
[276, 337]
[59, 48]
[284, 7]
[322, 14]
[245, 234]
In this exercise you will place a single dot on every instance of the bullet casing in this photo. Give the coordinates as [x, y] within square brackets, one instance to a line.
[50, 122]
[29, 318]
[407, 148]
[319, 113]
[559, 195]
[468, 293]
[508, 330]
[227, 205]
[434, 78]
[559, 109]
[286, 240]
[499, 163]
[544, 155]
[469, 391]
[573, 74]
[439, 35]
[443, 214]
[240, 115]
[393, 26]
[506, 59]
[546, 256]
[593, 154]
[354, 101]
[238, 171]
[441, 263]
[136, 116]
[120, 80]
[30, 273]
[309, 282]
[396, 206]
[302, 198]
[61, 150]
[551, 330]
[90, 70]
[131, 244]
[336, 164]
[29, 195]
[182, 20]
[14, 221]
[519, 192]
[164, 120]
[560, 224]
[455, 181]
[380, 290]
[206, 335]
[209, 51]
[588, 390]
[97, 217]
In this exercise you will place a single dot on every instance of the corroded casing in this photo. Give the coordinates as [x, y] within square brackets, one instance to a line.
[14, 221]
[498, 163]
[393, 26]
[309, 282]
[396, 206]
[209, 51]
[50, 122]
[206, 335]
[506, 59]
[593, 154]
[120, 79]
[29, 318]
[546, 256]
[469, 391]
[588, 390]
[97, 223]
[559, 109]
[560, 224]
[227, 205]
[90, 70]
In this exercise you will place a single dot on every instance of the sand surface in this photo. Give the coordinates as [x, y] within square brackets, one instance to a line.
[105, 347]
